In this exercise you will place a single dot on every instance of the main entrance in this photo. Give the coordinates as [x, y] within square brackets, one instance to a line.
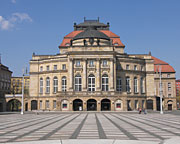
[34, 105]
[150, 104]
[105, 105]
[77, 105]
[91, 105]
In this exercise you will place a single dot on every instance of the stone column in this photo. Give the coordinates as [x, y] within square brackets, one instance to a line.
[71, 74]
[98, 77]
[85, 75]
[111, 78]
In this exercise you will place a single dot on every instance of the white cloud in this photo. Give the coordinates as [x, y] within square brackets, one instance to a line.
[15, 18]
[13, 1]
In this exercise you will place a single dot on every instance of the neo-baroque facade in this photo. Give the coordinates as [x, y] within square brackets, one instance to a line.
[92, 73]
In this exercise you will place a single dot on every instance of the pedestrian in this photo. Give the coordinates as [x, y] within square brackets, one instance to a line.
[145, 111]
[140, 111]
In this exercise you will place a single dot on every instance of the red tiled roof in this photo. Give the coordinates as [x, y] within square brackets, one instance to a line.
[165, 67]
[113, 36]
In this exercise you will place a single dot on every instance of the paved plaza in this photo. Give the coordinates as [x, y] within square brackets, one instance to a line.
[88, 125]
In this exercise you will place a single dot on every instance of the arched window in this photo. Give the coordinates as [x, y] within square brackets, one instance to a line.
[135, 85]
[142, 85]
[128, 88]
[64, 83]
[55, 84]
[78, 83]
[41, 86]
[91, 82]
[119, 84]
[105, 82]
[47, 85]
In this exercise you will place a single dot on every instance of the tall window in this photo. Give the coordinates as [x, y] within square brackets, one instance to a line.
[119, 84]
[135, 67]
[105, 82]
[104, 63]
[78, 83]
[47, 68]
[142, 85]
[135, 85]
[64, 83]
[78, 63]
[55, 84]
[41, 68]
[41, 86]
[91, 63]
[169, 86]
[91, 83]
[128, 88]
[54, 104]
[127, 67]
[47, 85]
[64, 66]
[55, 67]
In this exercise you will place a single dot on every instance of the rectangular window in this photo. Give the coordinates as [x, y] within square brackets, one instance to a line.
[55, 67]
[64, 105]
[128, 89]
[127, 67]
[169, 95]
[169, 86]
[135, 67]
[104, 63]
[47, 68]
[118, 105]
[119, 84]
[78, 63]
[54, 104]
[40, 104]
[64, 66]
[47, 104]
[142, 68]
[168, 75]
[91, 63]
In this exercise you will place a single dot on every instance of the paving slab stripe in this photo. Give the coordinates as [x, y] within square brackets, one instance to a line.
[129, 135]
[78, 129]
[28, 126]
[146, 131]
[24, 122]
[101, 132]
[155, 120]
[58, 128]
[20, 136]
[146, 123]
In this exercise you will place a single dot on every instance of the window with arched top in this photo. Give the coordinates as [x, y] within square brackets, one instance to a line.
[55, 84]
[64, 83]
[41, 85]
[78, 83]
[135, 85]
[91, 82]
[105, 82]
[47, 85]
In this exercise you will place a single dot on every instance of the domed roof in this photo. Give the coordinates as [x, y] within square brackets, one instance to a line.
[91, 32]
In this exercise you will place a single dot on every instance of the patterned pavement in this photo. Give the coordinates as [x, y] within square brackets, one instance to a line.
[90, 125]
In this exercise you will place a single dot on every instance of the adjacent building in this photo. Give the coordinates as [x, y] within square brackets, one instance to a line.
[92, 72]
[178, 92]
[5, 85]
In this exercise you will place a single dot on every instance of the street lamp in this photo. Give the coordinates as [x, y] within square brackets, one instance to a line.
[22, 101]
[161, 109]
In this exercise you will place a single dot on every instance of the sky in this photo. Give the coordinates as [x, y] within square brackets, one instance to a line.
[28, 26]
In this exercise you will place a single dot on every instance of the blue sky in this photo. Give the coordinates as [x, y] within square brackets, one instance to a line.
[28, 26]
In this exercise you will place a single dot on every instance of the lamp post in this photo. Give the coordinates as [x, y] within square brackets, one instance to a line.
[22, 101]
[161, 109]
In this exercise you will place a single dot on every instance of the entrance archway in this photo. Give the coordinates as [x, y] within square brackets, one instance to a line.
[105, 105]
[14, 105]
[150, 104]
[34, 105]
[170, 102]
[77, 105]
[26, 107]
[91, 105]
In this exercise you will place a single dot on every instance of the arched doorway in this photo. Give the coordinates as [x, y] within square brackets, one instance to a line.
[91, 105]
[14, 105]
[77, 105]
[170, 102]
[105, 105]
[150, 104]
[34, 105]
